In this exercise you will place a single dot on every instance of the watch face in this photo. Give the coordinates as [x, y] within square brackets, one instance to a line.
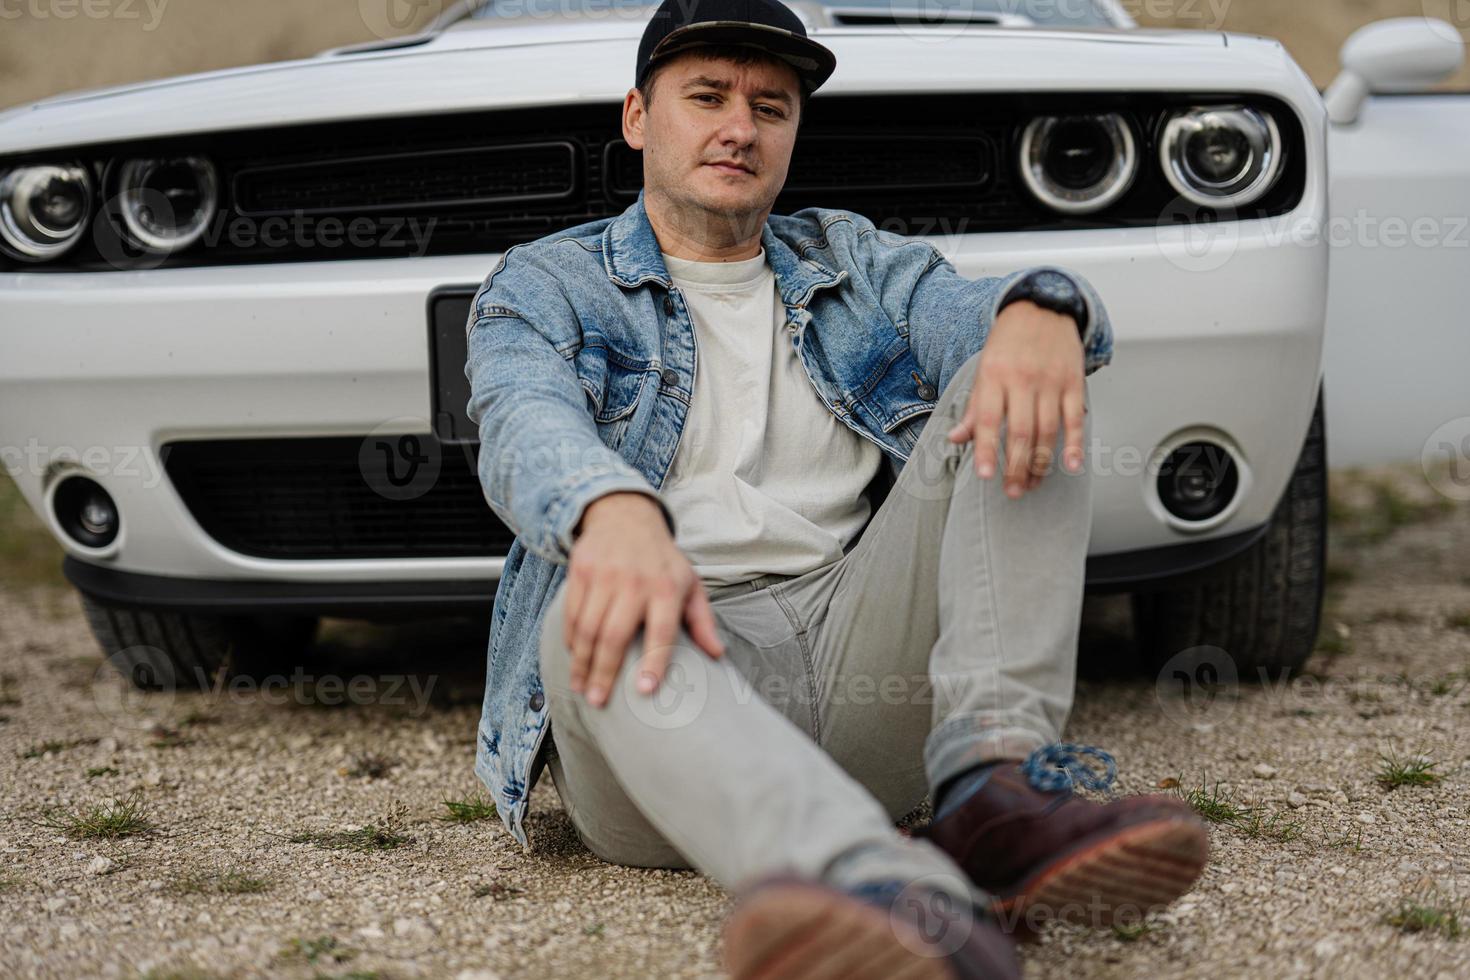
[1055, 287]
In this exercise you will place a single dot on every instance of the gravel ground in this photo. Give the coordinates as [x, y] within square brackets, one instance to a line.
[226, 780]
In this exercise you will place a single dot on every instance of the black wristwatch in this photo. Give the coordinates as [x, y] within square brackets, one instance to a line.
[1051, 290]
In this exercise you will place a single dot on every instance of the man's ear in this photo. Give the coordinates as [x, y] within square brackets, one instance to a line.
[633, 114]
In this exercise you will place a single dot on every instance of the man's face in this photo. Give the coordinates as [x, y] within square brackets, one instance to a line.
[717, 136]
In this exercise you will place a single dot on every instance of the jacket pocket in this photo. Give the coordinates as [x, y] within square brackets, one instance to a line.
[906, 427]
[613, 407]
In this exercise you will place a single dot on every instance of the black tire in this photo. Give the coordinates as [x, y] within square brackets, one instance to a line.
[164, 650]
[1263, 607]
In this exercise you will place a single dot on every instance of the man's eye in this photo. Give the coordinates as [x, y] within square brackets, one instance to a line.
[774, 113]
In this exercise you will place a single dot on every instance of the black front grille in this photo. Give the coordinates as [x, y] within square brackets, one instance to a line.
[919, 164]
[335, 498]
[513, 174]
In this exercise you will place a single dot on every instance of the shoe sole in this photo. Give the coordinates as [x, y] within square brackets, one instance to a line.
[1120, 878]
[790, 932]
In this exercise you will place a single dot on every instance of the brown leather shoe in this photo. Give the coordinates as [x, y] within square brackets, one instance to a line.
[788, 928]
[1048, 853]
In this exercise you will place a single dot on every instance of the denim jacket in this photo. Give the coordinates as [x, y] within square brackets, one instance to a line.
[581, 361]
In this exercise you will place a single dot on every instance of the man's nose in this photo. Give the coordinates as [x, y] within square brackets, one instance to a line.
[737, 125]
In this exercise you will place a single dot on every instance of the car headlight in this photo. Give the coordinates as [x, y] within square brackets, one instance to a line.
[166, 204]
[43, 210]
[1221, 156]
[1078, 164]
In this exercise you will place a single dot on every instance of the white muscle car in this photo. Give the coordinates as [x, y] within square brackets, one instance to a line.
[232, 304]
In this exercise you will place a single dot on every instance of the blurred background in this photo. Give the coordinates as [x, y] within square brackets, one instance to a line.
[41, 56]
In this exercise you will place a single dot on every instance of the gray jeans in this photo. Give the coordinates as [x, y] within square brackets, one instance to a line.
[946, 636]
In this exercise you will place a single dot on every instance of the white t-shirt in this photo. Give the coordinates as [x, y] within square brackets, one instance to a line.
[765, 479]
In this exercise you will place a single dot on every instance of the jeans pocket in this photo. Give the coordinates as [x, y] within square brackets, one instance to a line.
[769, 654]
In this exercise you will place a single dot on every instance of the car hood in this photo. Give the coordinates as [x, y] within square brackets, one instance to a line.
[468, 68]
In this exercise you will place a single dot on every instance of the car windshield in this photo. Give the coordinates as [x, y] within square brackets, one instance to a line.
[1043, 13]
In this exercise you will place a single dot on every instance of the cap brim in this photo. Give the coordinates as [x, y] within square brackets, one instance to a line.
[811, 61]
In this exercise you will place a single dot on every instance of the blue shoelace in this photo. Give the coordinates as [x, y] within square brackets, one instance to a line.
[884, 892]
[1060, 766]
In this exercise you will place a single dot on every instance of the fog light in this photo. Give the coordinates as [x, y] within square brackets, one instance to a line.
[85, 512]
[1198, 480]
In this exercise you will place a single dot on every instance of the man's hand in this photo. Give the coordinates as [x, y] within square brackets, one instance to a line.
[1031, 377]
[625, 572]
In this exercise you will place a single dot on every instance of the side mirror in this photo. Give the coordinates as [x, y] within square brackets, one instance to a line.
[1406, 54]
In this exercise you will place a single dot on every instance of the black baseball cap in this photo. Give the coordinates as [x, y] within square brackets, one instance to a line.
[766, 24]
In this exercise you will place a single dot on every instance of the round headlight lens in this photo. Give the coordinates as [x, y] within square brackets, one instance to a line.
[44, 210]
[1222, 156]
[166, 204]
[1078, 164]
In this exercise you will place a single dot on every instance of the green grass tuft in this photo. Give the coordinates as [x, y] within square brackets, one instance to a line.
[478, 807]
[381, 835]
[367, 838]
[1221, 807]
[1211, 803]
[1428, 912]
[1353, 843]
[1277, 827]
[1451, 683]
[1394, 772]
[125, 817]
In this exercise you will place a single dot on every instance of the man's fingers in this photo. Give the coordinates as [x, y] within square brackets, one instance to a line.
[622, 621]
[1020, 433]
[964, 429]
[1074, 413]
[1048, 422]
[989, 408]
[702, 626]
[574, 592]
[659, 633]
[586, 627]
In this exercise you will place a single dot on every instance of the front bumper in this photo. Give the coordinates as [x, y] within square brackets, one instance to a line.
[99, 372]
[1151, 567]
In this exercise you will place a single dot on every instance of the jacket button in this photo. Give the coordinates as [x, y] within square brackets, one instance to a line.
[670, 377]
[538, 701]
[927, 392]
[669, 305]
